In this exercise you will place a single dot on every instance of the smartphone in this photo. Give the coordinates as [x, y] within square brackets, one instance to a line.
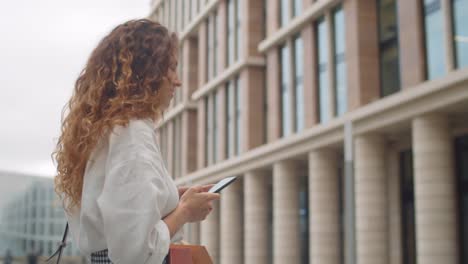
[222, 184]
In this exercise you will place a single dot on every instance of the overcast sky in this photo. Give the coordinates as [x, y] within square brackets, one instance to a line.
[44, 45]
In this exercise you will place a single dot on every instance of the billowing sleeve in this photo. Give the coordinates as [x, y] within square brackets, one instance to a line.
[133, 196]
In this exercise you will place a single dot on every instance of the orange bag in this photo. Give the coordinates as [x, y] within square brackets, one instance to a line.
[188, 254]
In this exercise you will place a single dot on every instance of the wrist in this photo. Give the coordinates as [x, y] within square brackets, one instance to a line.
[182, 213]
[175, 220]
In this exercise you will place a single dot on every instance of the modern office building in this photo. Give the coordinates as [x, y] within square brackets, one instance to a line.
[33, 221]
[345, 120]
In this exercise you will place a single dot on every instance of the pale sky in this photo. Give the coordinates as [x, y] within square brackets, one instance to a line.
[44, 45]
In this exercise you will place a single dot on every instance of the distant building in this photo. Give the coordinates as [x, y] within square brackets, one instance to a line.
[33, 220]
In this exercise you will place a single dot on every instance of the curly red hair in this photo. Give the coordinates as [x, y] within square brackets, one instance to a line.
[121, 81]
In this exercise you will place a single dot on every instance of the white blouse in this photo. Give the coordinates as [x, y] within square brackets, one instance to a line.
[127, 191]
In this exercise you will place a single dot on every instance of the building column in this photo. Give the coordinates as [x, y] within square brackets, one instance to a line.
[371, 200]
[310, 80]
[189, 68]
[273, 95]
[394, 206]
[362, 56]
[272, 17]
[189, 142]
[286, 240]
[411, 42]
[252, 27]
[209, 233]
[256, 210]
[324, 210]
[251, 83]
[435, 195]
[231, 221]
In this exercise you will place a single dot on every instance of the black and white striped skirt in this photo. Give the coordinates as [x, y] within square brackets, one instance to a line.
[102, 257]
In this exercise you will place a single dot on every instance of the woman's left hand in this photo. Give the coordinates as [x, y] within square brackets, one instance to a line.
[205, 188]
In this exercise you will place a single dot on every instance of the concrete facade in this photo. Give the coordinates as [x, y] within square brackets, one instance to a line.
[408, 135]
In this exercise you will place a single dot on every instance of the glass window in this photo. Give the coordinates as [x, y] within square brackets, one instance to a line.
[215, 43]
[182, 12]
[230, 118]
[177, 145]
[209, 48]
[190, 10]
[388, 45]
[460, 22]
[407, 207]
[169, 13]
[323, 83]
[176, 17]
[212, 44]
[207, 129]
[341, 93]
[284, 12]
[298, 82]
[297, 7]
[238, 116]
[238, 29]
[215, 126]
[179, 164]
[435, 50]
[285, 94]
[230, 32]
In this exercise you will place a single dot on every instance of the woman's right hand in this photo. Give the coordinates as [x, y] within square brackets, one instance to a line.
[195, 204]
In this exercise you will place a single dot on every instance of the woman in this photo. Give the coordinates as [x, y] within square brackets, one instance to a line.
[121, 203]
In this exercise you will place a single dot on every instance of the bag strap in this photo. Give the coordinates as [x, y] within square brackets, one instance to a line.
[62, 245]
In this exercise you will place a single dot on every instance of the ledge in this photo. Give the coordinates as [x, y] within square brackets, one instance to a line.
[226, 75]
[175, 111]
[311, 13]
[193, 24]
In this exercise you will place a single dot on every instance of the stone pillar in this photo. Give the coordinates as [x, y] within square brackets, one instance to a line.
[231, 219]
[411, 42]
[362, 56]
[190, 68]
[252, 27]
[324, 210]
[272, 17]
[435, 190]
[189, 142]
[209, 233]
[310, 79]
[256, 208]
[273, 95]
[286, 240]
[251, 83]
[371, 200]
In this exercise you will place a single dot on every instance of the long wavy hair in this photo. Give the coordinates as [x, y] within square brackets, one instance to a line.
[121, 81]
